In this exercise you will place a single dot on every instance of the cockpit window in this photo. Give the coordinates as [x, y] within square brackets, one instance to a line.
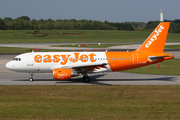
[17, 59]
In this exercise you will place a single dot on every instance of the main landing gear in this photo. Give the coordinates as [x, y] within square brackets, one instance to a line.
[86, 78]
[31, 76]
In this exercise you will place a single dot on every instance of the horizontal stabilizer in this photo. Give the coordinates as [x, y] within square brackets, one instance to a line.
[156, 57]
[152, 58]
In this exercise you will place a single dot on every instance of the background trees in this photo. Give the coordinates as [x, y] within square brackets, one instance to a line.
[2, 24]
[174, 26]
[25, 23]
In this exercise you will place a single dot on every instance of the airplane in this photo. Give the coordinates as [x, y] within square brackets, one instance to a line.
[65, 65]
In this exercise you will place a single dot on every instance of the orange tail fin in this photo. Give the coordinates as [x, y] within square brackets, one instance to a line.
[156, 41]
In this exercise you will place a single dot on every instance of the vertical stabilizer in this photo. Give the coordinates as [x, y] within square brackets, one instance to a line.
[156, 41]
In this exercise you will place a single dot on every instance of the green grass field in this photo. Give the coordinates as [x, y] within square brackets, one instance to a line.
[90, 102]
[19, 36]
[173, 46]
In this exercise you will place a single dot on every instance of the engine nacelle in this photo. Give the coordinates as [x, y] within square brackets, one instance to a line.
[64, 74]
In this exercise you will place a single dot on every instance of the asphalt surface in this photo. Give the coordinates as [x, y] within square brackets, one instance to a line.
[8, 77]
[49, 45]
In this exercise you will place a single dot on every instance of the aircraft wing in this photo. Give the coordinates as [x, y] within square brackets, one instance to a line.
[91, 65]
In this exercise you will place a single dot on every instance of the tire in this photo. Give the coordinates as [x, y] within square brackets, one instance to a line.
[86, 79]
[31, 79]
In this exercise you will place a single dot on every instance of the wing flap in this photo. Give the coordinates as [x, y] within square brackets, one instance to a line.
[90, 65]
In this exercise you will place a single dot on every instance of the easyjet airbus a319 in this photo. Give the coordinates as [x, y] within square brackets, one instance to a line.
[65, 65]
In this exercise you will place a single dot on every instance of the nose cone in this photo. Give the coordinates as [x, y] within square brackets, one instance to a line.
[9, 66]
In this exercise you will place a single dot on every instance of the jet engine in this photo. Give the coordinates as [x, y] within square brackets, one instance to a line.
[64, 74]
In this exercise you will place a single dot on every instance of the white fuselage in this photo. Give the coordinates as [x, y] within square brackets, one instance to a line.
[40, 62]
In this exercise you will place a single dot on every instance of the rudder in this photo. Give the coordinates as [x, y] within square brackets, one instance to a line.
[156, 41]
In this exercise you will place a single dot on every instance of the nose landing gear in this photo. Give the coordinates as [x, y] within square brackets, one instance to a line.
[31, 76]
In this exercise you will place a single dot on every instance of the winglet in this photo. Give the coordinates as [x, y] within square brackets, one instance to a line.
[156, 41]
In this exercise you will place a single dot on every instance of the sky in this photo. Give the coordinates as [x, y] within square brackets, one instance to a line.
[101, 10]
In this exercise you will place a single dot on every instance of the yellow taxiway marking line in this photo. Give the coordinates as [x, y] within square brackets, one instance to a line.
[7, 73]
[48, 73]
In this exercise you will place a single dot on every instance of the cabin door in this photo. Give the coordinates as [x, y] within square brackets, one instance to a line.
[30, 60]
[135, 59]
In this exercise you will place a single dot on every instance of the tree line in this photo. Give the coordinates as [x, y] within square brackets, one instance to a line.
[151, 25]
[174, 26]
[25, 23]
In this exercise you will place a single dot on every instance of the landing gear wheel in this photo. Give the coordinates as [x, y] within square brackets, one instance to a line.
[31, 79]
[86, 79]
